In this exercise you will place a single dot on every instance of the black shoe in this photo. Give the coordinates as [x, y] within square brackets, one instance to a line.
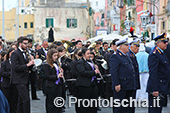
[98, 109]
[35, 99]
[63, 110]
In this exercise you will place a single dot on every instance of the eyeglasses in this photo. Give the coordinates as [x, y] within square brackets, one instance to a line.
[165, 41]
[25, 43]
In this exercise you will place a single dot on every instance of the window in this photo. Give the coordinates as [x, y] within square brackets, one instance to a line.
[130, 2]
[129, 14]
[49, 22]
[71, 23]
[25, 25]
[31, 25]
[163, 25]
[22, 11]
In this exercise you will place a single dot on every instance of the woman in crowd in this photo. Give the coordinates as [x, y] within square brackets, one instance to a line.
[74, 73]
[86, 82]
[53, 75]
[5, 74]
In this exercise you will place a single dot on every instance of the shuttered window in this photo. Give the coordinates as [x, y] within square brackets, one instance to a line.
[71, 23]
[49, 22]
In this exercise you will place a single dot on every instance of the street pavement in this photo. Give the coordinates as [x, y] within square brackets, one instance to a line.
[38, 106]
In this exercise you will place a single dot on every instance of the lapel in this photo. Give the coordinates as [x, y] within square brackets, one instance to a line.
[85, 63]
[22, 56]
[43, 53]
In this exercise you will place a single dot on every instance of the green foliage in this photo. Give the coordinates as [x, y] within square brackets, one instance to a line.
[122, 24]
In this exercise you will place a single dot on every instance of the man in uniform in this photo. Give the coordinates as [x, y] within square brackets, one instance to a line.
[159, 70]
[134, 48]
[123, 75]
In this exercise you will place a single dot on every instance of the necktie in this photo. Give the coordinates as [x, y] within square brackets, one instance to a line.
[92, 66]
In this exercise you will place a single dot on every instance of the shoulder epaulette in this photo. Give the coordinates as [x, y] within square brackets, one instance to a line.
[158, 50]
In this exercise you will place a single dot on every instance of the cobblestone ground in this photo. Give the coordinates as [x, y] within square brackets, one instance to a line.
[38, 106]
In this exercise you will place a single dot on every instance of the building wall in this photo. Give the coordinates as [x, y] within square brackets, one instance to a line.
[10, 19]
[60, 16]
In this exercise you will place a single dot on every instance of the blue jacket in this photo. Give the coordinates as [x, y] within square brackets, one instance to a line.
[159, 71]
[136, 67]
[122, 71]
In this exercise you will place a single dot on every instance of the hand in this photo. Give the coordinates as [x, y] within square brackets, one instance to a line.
[155, 93]
[60, 75]
[61, 70]
[97, 71]
[30, 63]
[117, 88]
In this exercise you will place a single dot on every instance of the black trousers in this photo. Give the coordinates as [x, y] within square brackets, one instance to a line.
[33, 78]
[14, 99]
[123, 94]
[109, 91]
[156, 107]
[51, 94]
[87, 93]
[23, 98]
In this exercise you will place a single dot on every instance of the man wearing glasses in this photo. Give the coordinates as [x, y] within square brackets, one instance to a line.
[20, 75]
[159, 70]
[123, 76]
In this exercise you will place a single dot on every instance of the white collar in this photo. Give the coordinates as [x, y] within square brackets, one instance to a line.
[20, 49]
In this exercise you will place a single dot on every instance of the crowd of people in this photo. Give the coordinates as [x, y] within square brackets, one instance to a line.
[120, 70]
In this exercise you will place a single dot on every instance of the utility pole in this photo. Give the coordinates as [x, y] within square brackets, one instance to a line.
[17, 21]
[3, 21]
[89, 22]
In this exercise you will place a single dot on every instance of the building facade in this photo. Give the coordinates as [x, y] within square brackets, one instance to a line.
[68, 20]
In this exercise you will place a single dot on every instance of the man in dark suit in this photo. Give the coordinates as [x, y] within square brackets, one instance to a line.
[109, 93]
[159, 71]
[33, 74]
[42, 54]
[20, 74]
[123, 75]
[134, 48]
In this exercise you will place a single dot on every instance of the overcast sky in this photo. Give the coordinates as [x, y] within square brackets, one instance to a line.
[9, 4]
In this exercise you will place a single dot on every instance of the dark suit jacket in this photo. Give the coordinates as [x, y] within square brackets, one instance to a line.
[159, 72]
[5, 72]
[122, 71]
[20, 71]
[49, 75]
[41, 54]
[136, 67]
[85, 73]
[73, 70]
[167, 52]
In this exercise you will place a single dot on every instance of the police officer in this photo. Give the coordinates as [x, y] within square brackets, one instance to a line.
[123, 75]
[134, 48]
[159, 70]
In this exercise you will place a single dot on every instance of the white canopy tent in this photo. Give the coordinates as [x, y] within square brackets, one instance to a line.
[107, 38]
